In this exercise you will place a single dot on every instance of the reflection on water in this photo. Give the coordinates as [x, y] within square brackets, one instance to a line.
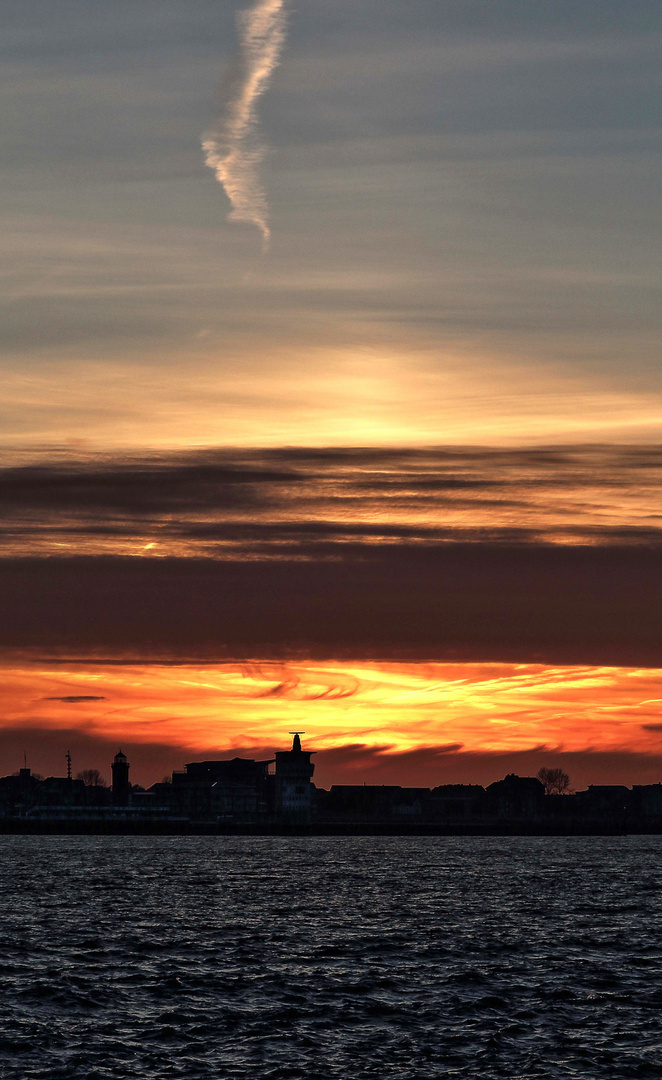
[327, 957]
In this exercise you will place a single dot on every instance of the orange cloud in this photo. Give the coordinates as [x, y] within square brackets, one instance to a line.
[383, 710]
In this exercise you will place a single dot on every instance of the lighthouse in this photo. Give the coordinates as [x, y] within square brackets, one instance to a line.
[121, 785]
[294, 789]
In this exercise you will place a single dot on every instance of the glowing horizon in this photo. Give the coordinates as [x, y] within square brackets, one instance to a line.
[385, 709]
[319, 396]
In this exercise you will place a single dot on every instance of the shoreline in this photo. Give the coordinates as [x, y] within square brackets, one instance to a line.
[174, 828]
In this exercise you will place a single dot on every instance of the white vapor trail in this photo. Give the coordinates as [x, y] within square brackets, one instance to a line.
[231, 148]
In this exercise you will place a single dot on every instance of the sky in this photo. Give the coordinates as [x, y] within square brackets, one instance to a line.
[330, 336]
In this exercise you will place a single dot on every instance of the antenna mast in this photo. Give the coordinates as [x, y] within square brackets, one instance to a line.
[68, 764]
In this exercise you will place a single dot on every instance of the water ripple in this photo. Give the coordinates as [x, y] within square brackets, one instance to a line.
[323, 957]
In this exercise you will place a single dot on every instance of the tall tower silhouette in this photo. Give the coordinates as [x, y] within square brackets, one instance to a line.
[121, 785]
[294, 790]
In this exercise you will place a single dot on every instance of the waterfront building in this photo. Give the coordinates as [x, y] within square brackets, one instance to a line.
[278, 795]
[456, 802]
[239, 789]
[294, 789]
[515, 797]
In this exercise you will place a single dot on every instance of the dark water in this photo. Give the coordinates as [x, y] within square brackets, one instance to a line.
[330, 957]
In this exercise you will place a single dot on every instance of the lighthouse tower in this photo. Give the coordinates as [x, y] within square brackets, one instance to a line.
[121, 785]
[294, 790]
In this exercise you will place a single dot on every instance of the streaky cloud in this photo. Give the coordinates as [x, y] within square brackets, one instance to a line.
[232, 148]
[74, 699]
[310, 685]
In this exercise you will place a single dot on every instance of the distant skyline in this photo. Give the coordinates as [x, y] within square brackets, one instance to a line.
[374, 402]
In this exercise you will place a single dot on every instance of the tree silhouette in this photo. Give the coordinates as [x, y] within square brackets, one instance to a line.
[555, 781]
[91, 778]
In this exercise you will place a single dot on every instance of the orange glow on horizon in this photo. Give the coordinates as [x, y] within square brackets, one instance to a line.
[394, 708]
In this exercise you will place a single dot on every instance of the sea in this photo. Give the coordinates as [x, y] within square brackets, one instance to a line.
[293, 958]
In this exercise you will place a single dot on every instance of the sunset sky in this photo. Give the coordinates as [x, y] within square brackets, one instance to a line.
[331, 385]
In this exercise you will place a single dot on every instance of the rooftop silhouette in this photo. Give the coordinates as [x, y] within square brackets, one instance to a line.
[279, 794]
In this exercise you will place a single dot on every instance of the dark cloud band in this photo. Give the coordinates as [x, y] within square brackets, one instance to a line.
[320, 503]
[550, 603]
[75, 699]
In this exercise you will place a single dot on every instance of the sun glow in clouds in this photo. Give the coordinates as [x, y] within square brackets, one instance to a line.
[231, 148]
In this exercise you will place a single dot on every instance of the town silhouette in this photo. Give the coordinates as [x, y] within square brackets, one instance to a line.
[245, 796]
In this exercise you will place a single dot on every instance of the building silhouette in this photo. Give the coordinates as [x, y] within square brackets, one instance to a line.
[294, 789]
[278, 795]
[224, 789]
[121, 788]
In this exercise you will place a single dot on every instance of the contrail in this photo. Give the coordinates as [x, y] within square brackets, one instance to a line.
[231, 148]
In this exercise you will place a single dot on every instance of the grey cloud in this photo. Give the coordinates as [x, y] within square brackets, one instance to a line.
[78, 31]
[144, 490]
[458, 174]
